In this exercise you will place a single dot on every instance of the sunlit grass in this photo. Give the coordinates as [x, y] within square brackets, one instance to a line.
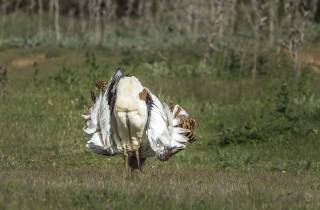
[44, 163]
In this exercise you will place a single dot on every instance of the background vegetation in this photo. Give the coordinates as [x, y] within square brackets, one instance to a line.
[247, 71]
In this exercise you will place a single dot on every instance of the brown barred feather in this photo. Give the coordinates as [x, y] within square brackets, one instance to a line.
[93, 96]
[87, 109]
[177, 113]
[101, 85]
[188, 123]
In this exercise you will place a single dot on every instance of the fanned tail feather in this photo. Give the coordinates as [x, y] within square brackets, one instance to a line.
[97, 118]
[168, 131]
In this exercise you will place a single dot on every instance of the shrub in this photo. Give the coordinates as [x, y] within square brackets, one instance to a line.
[280, 115]
[65, 78]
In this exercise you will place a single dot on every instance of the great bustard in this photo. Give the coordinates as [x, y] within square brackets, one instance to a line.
[126, 118]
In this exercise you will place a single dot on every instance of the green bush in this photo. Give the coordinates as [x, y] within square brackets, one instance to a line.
[289, 111]
[65, 78]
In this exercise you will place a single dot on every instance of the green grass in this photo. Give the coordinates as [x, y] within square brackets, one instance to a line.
[90, 187]
[44, 163]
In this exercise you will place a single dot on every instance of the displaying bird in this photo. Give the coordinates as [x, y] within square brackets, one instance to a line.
[126, 118]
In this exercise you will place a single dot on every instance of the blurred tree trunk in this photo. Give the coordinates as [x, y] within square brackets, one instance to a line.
[81, 5]
[233, 16]
[71, 17]
[108, 13]
[57, 21]
[295, 22]
[97, 36]
[30, 12]
[317, 13]
[40, 12]
[281, 10]
[272, 19]
[237, 16]
[4, 8]
[51, 10]
[122, 7]
[257, 22]
[16, 8]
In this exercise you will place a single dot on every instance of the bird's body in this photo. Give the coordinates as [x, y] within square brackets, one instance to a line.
[126, 118]
[131, 116]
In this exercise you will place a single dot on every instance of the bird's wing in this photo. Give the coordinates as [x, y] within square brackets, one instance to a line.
[98, 120]
[164, 134]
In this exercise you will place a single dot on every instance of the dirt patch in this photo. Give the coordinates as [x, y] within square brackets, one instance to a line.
[311, 57]
[26, 62]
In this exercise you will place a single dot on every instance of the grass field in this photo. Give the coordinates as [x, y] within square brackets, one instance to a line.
[258, 141]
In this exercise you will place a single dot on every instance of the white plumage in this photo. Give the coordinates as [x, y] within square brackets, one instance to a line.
[126, 118]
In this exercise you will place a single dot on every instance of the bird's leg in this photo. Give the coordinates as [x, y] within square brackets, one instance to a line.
[125, 158]
[138, 159]
[138, 155]
[135, 143]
